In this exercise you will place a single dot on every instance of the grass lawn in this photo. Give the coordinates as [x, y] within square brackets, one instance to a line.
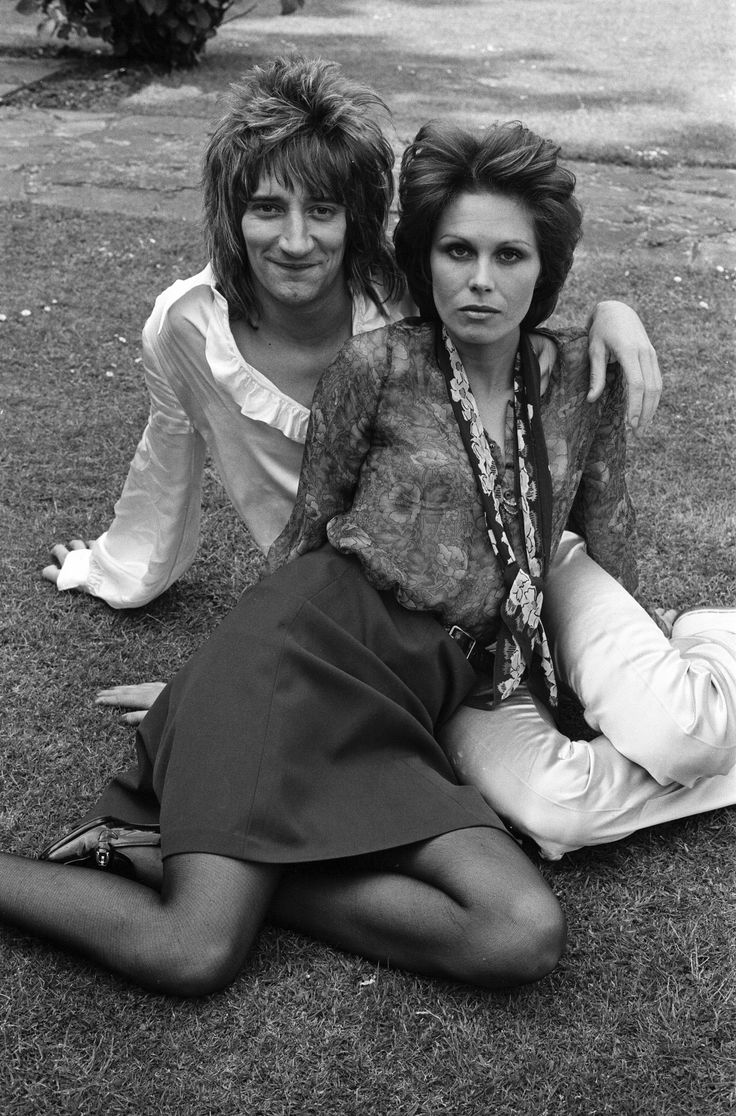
[639, 1017]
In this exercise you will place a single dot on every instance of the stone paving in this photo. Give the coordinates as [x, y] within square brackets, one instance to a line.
[138, 165]
[144, 160]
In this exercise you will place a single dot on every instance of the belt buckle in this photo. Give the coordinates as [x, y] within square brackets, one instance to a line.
[465, 641]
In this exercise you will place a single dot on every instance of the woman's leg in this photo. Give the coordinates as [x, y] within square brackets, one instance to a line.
[467, 906]
[189, 940]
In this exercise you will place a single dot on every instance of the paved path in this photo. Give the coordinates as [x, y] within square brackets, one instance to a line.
[143, 159]
[148, 164]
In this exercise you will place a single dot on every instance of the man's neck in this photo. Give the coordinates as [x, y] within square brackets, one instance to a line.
[293, 345]
[311, 324]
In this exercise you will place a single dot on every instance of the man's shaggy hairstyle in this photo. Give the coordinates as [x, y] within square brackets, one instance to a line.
[445, 161]
[302, 122]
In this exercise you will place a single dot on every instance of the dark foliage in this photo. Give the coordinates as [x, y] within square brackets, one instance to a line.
[172, 32]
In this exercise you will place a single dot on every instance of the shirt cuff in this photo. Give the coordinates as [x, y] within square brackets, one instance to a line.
[75, 571]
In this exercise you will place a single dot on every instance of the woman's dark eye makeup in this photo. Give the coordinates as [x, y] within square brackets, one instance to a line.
[458, 250]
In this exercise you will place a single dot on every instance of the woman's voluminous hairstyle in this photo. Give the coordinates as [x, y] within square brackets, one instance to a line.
[300, 121]
[445, 161]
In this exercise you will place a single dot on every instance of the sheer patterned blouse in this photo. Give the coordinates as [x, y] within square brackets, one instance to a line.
[204, 397]
[385, 476]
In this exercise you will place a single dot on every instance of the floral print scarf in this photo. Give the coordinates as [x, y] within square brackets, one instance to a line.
[521, 645]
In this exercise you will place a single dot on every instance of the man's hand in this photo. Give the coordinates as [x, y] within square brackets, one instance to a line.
[139, 698]
[616, 333]
[59, 553]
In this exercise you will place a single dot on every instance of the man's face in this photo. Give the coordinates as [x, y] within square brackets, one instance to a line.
[295, 244]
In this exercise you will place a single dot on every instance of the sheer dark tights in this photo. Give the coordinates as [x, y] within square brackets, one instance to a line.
[466, 906]
[190, 939]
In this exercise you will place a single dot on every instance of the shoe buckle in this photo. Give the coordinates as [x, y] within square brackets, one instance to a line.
[103, 852]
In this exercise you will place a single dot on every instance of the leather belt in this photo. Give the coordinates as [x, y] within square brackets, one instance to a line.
[480, 658]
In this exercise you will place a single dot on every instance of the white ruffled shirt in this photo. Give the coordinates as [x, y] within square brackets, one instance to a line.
[204, 398]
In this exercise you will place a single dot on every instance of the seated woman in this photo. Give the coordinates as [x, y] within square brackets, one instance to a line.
[293, 764]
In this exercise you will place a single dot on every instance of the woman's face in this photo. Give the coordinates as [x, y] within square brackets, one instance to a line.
[485, 265]
[295, 244]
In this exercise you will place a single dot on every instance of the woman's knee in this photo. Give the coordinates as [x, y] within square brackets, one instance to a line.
[192, 965]
[520, 939]
[511, 929]
[537, 929]
[212, 910]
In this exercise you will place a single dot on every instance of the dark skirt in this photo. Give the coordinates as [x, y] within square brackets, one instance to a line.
[303, 729]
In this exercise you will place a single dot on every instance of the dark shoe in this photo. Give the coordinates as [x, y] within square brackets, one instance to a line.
[97, 844]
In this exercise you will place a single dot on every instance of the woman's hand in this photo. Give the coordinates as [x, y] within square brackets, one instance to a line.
[59, 554]
[616, 333]
[139, 698]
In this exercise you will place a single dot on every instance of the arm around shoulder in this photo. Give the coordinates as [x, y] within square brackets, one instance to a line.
[617, 334]
[603, 512]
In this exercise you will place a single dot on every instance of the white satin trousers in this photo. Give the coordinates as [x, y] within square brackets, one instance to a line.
[665, 710]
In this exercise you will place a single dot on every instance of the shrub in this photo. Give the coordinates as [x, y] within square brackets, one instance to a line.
[173, 32]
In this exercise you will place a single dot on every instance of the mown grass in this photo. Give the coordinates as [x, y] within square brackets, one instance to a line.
[638, 1019]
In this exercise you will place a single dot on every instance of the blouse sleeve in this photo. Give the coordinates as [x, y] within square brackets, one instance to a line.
[338, 440]
[154, 535]
[602, 511]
